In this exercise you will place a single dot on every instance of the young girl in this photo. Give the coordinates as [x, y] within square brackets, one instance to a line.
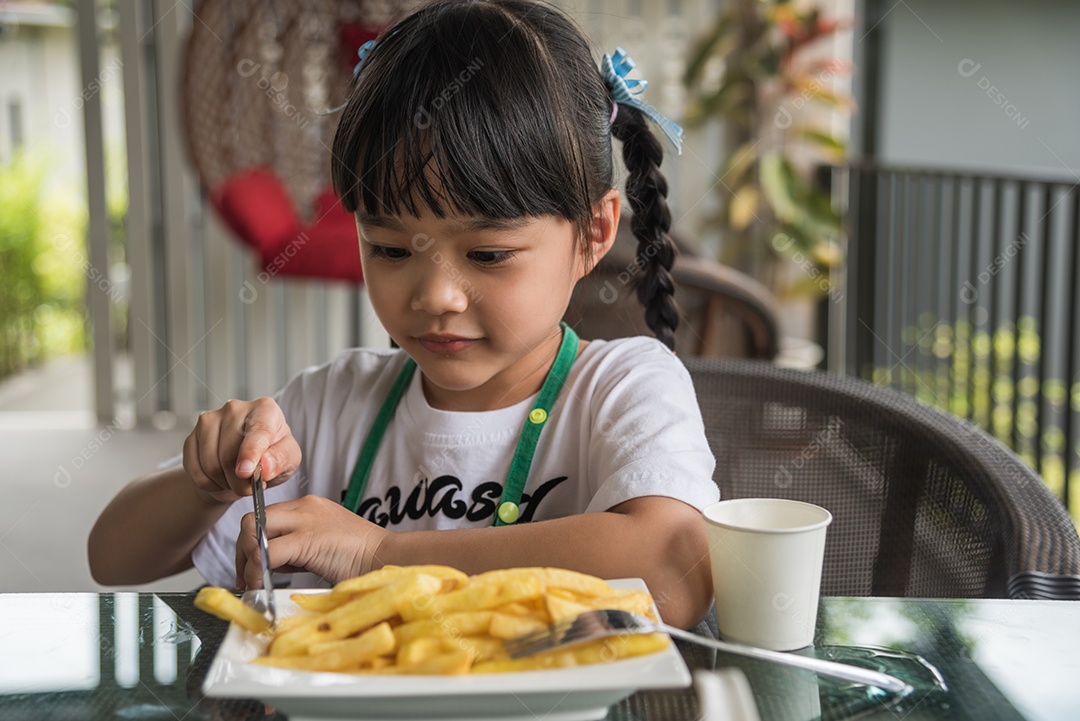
[476, 153]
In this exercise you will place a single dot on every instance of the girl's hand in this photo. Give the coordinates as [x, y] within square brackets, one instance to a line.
[311, 534]
[220, 455]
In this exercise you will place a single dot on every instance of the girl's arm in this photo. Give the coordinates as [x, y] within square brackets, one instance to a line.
[659, 539]
[149, 529]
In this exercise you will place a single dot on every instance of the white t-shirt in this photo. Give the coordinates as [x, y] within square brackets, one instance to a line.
[625, 425]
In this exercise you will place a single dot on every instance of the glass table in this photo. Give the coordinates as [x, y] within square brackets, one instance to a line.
[144, 656]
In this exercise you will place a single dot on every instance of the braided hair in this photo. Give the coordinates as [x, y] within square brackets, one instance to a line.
[646, 189]
[496, 109]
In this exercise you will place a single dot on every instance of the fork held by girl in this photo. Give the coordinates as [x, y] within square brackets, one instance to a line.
[492, 437]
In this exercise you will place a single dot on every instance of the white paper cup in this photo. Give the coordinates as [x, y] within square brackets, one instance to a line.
[766, 556]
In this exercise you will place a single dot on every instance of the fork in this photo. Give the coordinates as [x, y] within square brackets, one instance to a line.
[604, 623]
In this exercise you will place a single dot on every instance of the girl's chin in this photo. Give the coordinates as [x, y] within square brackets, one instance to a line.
[450, 385]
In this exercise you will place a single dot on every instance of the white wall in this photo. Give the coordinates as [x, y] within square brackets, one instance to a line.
[988, 84]
[39, 69]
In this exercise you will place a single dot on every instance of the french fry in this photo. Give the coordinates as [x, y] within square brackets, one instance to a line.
[574, 581]
[579, 583]
[356, 615]
[454, 663]
[465, 623]
[379, 639]
[484, 648]
[436, 620]
[562, 593]
[475, 597]
[322, 602]
[635, 601]
[612, 649]
[560, 609]
[600, 651]
[521, 609]
[540, 662]
[506, 626]
[339, 655]
[353, 588]
[377, 663]
[288, 623]
[389, 574]
[297, 630]
[226, 606]
[421, 649]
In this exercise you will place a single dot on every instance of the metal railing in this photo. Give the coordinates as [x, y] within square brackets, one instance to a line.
[963, 291]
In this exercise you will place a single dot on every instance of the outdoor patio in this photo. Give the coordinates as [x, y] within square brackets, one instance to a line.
[959, 283]
[61, 470]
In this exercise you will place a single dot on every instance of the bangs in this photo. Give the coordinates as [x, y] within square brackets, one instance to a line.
[460, 109]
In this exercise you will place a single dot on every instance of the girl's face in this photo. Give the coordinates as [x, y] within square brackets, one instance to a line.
[477, 303]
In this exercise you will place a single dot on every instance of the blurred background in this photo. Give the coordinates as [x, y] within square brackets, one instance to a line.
[894, 182]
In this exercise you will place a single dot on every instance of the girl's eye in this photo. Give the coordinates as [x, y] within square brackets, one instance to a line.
[387, 252]
[491, 257]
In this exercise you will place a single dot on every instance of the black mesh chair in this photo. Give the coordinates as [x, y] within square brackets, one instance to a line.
[923, 503]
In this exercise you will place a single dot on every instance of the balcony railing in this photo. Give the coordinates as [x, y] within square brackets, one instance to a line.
[964, 292]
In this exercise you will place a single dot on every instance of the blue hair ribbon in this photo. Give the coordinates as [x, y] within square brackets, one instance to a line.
[614, 70]
[362, 53]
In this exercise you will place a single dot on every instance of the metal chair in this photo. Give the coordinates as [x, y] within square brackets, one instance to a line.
[923, 503]
[725, 313]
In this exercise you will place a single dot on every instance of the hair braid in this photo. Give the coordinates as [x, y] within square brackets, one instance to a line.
[646, 189]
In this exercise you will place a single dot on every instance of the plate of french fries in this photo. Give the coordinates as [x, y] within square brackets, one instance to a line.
[426, 642]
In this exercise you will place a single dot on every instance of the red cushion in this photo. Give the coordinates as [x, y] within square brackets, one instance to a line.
[327, 248]
[257, 207]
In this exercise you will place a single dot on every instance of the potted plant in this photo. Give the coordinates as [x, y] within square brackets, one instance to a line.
[759, 69]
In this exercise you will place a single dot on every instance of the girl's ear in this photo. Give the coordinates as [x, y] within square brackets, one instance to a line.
[605, 223]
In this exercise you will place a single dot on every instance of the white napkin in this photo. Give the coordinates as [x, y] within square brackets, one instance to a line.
[725, 695]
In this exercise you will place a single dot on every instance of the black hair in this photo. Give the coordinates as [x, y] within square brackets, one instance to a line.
[496, 109]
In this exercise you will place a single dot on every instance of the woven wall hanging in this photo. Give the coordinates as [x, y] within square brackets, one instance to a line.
[258, 78]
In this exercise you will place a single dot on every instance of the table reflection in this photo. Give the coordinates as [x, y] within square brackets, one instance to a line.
[1006, 659]
[143, 656]
[89, 656]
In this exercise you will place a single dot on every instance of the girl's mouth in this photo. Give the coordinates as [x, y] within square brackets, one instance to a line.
[445, 343]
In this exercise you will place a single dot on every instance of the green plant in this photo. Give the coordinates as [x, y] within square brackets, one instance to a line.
[970, 372]
[61, 266]
[41, 298]
[756, 69]
[20, 293]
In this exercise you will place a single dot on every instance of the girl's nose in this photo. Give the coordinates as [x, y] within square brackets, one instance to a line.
[440, 289]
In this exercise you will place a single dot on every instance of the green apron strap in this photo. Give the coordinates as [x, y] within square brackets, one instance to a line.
[509, 505]
[508, 510]
[371, 444]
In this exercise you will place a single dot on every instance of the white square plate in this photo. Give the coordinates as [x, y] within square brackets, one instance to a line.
[583, 692]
